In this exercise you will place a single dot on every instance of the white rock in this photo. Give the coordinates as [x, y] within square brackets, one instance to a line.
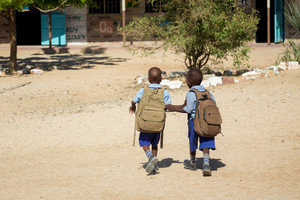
[214, 81]
[165, 82]
[282, 66]
[37, 71]
[142, 79]
[171, 84]
[273, 68]
[293, 65]
[208, 76]
[205, 83]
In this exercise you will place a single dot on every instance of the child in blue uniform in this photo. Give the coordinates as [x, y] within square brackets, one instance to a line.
[193, 79]
[150, 139]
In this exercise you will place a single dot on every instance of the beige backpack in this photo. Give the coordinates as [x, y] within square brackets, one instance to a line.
[151, 115]
[207, 122]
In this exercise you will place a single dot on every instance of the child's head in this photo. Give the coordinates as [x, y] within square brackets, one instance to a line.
[154, 75]
[194, 77]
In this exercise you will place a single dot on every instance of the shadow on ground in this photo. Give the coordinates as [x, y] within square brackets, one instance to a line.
[93, 50]
[215, 164]
[64, 61]
[164, 163]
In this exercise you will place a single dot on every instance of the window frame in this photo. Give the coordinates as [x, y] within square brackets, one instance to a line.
[103, 9]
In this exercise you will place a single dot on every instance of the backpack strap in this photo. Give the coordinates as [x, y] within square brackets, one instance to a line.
[201, 95]
[149, 91]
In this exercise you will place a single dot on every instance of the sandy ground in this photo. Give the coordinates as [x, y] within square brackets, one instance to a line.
[68, 134]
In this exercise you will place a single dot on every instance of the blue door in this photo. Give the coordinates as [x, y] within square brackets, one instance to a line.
[58, 23]
[278, 21]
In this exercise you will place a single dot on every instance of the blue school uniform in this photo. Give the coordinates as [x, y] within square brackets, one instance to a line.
[151, 138]
[190, 108]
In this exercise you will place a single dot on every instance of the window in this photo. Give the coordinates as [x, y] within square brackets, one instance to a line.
[106, 6]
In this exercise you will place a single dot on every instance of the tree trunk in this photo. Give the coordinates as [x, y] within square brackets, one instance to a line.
[13, 41]
[50, 30]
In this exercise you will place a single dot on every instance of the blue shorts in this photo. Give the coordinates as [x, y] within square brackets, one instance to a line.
[149, 138]
[205, 142]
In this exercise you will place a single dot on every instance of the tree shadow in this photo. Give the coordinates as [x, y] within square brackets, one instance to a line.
[93, 50]
[64, 62]
[215, 164]
[49, 51]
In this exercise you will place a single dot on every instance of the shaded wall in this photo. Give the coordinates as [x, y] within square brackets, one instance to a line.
[4, 30]
[103, 27]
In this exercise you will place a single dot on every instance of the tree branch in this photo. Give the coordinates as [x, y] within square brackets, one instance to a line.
[45, 11]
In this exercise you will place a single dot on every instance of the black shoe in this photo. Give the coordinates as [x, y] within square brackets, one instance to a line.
[151, 164]
[206, 170]
[189, 165]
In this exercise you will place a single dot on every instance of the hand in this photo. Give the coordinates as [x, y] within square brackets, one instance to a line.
[169, 107]
[184, 104]
[132, 109]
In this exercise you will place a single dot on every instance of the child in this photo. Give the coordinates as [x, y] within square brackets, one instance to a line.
[193, 79]
[147, 139]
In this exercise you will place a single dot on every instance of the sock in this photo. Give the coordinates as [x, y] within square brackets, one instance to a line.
[206, 159]
[149, 154]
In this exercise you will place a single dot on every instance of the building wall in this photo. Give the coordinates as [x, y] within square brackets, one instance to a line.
[4, 28]
[103, 27]
[76, 25]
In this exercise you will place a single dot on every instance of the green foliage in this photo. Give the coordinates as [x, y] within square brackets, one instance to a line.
[13, 4]
[50, 4]
[292, 14]
[43, 4]
[290, 53]
[241, 57]
[201, 29]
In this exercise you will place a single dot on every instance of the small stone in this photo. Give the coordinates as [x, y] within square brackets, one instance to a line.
[228, 73]
[227, 80]
[293, 65]
[240, 72]
[177, 74]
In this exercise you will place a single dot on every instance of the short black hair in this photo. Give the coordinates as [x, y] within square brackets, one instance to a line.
[195, 75]
[154, 75]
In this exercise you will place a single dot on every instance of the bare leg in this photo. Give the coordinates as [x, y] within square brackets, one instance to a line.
[146, 148]
[154, 151]
[205, 150]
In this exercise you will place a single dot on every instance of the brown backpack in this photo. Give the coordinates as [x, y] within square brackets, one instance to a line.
[207, 122]
[151, 115]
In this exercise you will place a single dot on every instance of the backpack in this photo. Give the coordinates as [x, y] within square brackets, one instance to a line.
[151, 115]
[207, 122]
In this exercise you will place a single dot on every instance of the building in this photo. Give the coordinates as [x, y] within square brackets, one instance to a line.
[86, 25]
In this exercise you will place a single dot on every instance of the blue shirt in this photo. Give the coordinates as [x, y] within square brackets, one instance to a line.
[191, 99]
[140, 93]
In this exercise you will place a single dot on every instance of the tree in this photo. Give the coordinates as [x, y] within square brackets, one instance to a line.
[292, 14]
[9, 7]
[201, 29]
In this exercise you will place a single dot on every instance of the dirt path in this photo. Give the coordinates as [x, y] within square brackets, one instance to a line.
[68, 134]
